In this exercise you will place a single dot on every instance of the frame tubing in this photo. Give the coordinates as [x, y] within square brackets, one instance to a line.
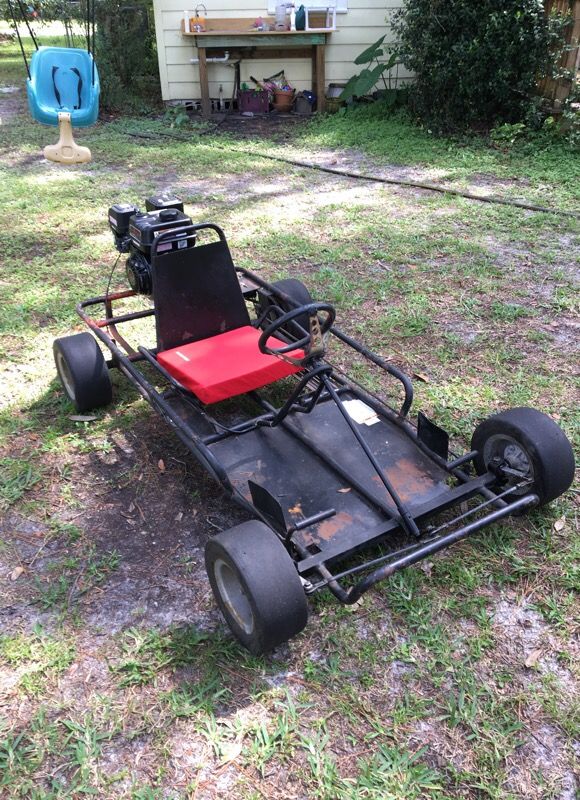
[396, 373]
[461, 460]
[407, 428]
[108, 321]
[432, 536]
[391, 370]
[454, 496]
[440, 543]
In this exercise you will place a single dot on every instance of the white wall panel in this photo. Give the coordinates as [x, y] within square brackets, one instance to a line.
[364, 22]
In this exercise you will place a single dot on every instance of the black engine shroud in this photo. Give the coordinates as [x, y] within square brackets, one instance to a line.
[134, 232]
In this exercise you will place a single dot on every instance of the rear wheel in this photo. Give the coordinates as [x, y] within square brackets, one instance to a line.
[297, 292]
[531, 446]
[82, 371]
[256, 586]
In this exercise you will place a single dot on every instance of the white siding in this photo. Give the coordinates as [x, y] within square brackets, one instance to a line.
[364, 22]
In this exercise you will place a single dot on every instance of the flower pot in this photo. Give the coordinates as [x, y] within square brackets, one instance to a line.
[283, 99]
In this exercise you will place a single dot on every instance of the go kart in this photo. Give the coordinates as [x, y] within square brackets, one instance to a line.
[342, 489]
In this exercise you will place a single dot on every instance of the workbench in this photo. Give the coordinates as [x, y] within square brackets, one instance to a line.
[243, 41]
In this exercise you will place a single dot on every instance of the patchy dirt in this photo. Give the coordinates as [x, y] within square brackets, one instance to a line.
[532, 644]
[10, 103]
[542, 752]
[157, 522]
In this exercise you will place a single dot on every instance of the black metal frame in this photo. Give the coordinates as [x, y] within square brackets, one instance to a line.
[320, 384]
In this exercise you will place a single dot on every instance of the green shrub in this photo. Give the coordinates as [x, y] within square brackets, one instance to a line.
[477, 62]
[126, 55]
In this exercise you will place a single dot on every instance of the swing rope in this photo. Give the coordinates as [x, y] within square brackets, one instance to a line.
[30, 31]
[89, 32]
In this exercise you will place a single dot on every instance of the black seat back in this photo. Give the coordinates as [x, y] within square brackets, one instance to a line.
[195, 290]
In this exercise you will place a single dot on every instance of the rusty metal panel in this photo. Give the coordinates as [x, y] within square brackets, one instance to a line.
[304, 484]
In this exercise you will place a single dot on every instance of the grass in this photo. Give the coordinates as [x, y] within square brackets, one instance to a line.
[38, 657]
[543, 168]
[16, 478]
[117, 677]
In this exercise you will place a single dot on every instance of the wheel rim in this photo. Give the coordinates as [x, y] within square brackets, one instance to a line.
[511, 451]
[65, 375]
[233, 595]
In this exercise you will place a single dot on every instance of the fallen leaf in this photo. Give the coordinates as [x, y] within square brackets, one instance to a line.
[532, 659]
[82, 417]
[297, 509]
[421, 377]
[427, 568]
[178, 517]
[344, 491]
[161, 465]
[231, 751]
[16, 573]
[131, 508]
[560, 524]
[355, 606]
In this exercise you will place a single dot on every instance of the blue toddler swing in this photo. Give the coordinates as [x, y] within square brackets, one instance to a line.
[63, 89]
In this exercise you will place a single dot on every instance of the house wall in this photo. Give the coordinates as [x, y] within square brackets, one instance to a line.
[363, 23]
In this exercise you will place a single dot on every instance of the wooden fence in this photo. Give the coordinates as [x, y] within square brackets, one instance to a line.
[557, 90]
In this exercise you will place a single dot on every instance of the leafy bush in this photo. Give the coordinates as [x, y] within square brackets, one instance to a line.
[477, 62]
[365, 80]
[571, 118]
[126, 54]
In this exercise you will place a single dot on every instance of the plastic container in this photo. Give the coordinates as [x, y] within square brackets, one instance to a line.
[255, 101]
[281, 24]
[334, 90]
[304, 103]
[283, 99]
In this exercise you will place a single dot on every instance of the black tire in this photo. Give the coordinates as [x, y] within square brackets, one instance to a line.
[256, 586]
[297, 291]
[82, 371]
[529, 441]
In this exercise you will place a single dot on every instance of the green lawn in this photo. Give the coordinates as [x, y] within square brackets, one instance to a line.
[118, 678]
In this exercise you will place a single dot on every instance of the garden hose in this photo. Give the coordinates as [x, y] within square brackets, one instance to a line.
[431, 187]
[343, 173]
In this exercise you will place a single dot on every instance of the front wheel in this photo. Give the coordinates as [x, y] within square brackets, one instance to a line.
[531, 447]
[256, 586]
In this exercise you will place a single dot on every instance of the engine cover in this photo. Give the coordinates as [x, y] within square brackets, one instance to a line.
[144, 228]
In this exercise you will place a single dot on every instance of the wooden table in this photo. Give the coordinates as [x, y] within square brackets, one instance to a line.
[242, 41]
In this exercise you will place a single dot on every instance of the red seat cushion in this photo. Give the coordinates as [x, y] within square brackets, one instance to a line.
[226, 365]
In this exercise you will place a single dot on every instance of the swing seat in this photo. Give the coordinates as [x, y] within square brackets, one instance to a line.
[61, 82]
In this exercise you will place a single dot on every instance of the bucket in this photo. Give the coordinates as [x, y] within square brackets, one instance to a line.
[283, 99]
